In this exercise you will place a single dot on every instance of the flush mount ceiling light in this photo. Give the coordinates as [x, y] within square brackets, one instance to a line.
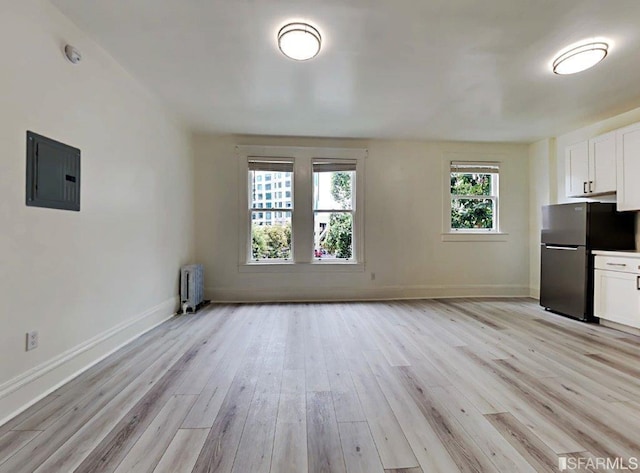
[299, 41]
[580, 58]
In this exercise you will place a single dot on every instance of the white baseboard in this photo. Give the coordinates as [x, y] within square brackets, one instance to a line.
[534, 292]
[620, 327]
[45, 378]
[313, 294]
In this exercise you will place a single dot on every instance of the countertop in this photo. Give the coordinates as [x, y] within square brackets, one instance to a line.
[625, 253]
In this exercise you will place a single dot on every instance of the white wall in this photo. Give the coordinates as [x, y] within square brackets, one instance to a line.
[403, 225]
[110, 271]
[541, 175]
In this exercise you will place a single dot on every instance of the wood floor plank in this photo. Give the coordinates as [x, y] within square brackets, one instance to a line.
[602, 436]
[205, 362]
[405, 470]
[152, 444]
[345, 398]
[221, 445]
[528, 408]
[71, 398]
[290, 441]
[12, 424]
[37, 452]
[392, 445]
[565, 369]
[448, 362]
[491, 443]
[480, 385]
[323, 439]
[12, 441]
[116, 444]
[317, 378]
[429, 449]
[290, 448]
[294, 352]
[70, 455]
[292, 403]
[256, 444]
[536, 452]
[461, 447]
[182, 452]
[360, 454]
[370, 325]
[207, 406]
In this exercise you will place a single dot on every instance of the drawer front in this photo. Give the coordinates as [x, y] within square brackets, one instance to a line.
[618, 263]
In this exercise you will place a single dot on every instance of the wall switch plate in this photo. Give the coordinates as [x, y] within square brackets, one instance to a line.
[32, 340]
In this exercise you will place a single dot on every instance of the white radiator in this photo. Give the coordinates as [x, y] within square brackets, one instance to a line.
[191, 287]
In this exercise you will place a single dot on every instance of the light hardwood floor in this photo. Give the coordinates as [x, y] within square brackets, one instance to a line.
[469, 385]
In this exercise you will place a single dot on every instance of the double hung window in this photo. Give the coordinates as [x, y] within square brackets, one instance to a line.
[333, 209]
[474, 196]
[315, 220]
[271, 237]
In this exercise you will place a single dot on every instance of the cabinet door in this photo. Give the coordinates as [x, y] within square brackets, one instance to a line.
[616, 297]
[628, 167]
[577, 169]
[602, 164]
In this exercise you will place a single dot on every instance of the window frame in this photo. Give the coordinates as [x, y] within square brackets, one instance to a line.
[351, 211]
[302, 243]
[268, 209]
[496, 233]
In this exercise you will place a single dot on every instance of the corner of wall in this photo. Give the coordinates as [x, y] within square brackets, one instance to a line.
[40, 381]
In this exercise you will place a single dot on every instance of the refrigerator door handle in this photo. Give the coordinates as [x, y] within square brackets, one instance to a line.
[564, 248]
[638, 283]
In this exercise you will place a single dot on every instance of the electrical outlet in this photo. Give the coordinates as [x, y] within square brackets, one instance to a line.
[32, 340]
[373, 276]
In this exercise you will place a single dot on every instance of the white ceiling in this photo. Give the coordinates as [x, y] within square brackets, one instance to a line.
[416, 69]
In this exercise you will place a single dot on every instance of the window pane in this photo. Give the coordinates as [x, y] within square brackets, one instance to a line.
[472, 213]
[333, 235]
[333, 190]
[471, 184]
[271, 239]
[257, 195]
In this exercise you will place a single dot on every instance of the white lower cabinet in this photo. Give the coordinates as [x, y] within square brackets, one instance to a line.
[617, 289]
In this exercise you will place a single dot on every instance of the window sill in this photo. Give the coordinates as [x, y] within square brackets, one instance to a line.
[315, 267]
[474, 236]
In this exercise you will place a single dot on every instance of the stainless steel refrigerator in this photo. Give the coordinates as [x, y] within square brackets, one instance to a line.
[569, 234]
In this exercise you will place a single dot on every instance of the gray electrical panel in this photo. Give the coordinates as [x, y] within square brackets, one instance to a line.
[53, 174]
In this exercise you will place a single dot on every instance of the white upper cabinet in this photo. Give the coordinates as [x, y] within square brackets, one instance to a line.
[602, 164]
[577, 169]
[591, 166]
[628, 167]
